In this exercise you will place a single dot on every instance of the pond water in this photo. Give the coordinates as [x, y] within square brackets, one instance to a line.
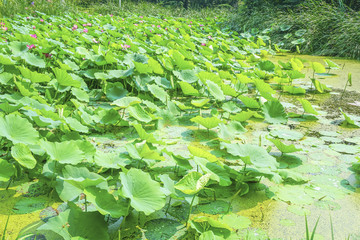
[338, 81]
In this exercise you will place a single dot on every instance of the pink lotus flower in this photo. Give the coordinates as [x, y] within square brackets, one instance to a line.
[89, 24]
[85, 30]
[34, 27]
[102, 30]
[5, 28]
[201, 25]
[141, 17]
[209, 37]
[33, 35]
[153, 25]
[141, 21]
[111, 15]
[75, 27]
[94, 40]
[125, 46]
[136, 24]
[203, 44]
[2, 24]
[41, 20]
[27, 18]
[189, 25]
[30, 46]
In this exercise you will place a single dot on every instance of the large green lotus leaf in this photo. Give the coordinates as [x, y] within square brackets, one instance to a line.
[81, 177]
[215, 90]
[331, 64]
[228, 90]
[208, 123]
[33, 60]
[198, 152]
[126, 102]
[283, 147]
[349, 121]
[76, 125]
[290, 174]
[5, 78]
[74, 223]
[295, 74]
[169, 184]
[235, 221]
[218, 173]
[6, 60]
[34, 77]
[137, 112]
[159, 93]
[274, 112]
[307, 106]
[163, 229]
[187, 89]
[110, 160]
[144, 193]
[9, 108]
[228, 132]
[18, 130]
[65, 79]
[146, 136]
[7, 170]
[66, 191]
[231, 107]
[319, 86]
[18, 48]
[188, 76]
[287, 134]
[292, 193]
[245, 115]
[22, 154]
[264, 87]
[106, 203]
[318, 67]
[200, 103]
[205, 76]
[29, 205]
[64, 152]
[121, 73]
[210, 235]
[249, 102]
[111, 116]
[146, 153]
[115, 91]
[343, 148]
[205, 223]
[155, 66]
[80, 94]
[143, 68]
[266, 66]
[251, 154]
[192, 183]
[293, 90]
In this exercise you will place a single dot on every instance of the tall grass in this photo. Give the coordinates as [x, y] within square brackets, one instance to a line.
[52, 7]
[330, 29]
[58, 7]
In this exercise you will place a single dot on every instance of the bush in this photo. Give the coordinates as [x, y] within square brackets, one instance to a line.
[325, 28]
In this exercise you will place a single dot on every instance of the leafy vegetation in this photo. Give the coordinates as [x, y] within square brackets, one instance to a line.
[106, 115]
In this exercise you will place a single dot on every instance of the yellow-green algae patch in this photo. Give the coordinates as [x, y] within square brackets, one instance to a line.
[17, 222]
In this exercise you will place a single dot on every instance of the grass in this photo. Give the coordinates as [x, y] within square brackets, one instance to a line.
[10, 8]
[330, 30]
